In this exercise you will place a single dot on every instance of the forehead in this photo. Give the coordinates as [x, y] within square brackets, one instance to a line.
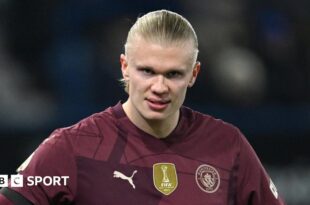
[158, 54]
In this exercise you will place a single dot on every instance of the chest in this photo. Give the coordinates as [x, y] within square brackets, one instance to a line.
[174, 180]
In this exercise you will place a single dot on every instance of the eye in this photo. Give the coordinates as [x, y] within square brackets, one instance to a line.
[146, 71]
[174, 74]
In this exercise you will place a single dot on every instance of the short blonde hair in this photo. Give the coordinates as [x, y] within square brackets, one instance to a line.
[163, 27]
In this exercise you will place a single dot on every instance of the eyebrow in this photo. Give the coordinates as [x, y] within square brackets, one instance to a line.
[182, 70]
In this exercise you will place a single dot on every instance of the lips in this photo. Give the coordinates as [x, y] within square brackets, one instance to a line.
[157, 105]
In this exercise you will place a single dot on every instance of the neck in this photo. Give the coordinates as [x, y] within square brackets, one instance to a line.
[160, 129]
[157, 128]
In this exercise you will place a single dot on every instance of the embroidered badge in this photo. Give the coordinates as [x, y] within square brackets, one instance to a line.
[165, 177]
[207, 178]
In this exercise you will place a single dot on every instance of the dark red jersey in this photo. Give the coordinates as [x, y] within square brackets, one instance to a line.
[110, 161]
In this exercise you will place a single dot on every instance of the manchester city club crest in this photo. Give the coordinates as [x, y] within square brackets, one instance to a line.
[207, 178]
[165, 177]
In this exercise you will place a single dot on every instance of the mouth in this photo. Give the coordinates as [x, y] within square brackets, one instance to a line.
[157, 105]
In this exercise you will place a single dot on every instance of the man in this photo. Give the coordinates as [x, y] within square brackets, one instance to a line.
[150, 149]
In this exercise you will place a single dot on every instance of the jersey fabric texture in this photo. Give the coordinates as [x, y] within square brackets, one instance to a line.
[111, 161]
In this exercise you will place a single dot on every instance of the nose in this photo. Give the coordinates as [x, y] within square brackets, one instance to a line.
[159, 85]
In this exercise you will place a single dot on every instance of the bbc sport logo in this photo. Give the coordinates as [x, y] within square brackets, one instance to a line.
[17, 180]
[4, 181]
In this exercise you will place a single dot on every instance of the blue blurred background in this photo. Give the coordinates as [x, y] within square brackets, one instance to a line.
[59, 62]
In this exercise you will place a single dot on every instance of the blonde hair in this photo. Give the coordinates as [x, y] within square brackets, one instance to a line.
[163, 27]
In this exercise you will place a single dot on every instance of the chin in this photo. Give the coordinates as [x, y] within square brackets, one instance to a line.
[155, 116]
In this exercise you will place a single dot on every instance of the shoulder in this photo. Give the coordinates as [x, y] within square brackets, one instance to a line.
[213, 134]
[215, 142]
[91, 125]
[85, 134]
[209, 124]
[80, 139]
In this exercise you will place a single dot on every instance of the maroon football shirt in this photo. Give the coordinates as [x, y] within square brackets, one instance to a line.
[111, 161]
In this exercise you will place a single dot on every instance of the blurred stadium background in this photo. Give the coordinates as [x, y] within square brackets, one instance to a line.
[59, 62]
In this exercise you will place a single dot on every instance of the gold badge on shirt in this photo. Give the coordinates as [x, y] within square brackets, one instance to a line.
[165, 177]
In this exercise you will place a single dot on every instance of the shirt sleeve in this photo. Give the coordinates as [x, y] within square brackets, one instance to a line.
[53, 162]
[254, 186]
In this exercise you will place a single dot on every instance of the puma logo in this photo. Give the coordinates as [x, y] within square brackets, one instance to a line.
[117, 174]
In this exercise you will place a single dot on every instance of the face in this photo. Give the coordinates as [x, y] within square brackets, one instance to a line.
[158, 77]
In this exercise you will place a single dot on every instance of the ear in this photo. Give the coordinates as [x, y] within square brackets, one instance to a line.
[195, 72]
[124, 67]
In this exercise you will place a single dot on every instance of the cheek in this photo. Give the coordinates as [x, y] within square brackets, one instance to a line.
[180, 91]
[183, 94]
[137, 85]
